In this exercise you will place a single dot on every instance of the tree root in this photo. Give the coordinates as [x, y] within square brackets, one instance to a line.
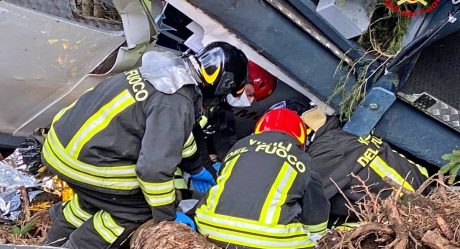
[402, 233]
[445, 228]
[436, 241]
[365, 229]
[402, 220]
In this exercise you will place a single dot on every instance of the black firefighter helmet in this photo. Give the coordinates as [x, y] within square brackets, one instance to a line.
[221, 68]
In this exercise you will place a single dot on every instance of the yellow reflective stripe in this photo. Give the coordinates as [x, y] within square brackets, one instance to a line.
[71, 217]
[111, 224]
[216, 190]
[348, 226]
[178, 172]
[160, 200]
[189, 147]
[158, 194]
[156, 188]
[271, 209]
[318, 228]
[112, 183]
[180, 184]
[422, 170]
[78, 211]
[106, 227]
[189, 141]
[203, 121]
[249, 226]
[62, 111]
[98, 121]
[190, 150]
[111, 171]
[382, 169]
[250, 240]
[74, 214]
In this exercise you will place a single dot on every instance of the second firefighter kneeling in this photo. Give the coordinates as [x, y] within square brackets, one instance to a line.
[266, 195]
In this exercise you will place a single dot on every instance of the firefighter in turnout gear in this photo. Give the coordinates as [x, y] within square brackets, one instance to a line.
[266, 195]
[338, 154]
[120, 143]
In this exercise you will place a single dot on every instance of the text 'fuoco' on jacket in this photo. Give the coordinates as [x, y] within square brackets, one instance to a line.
[265, 197]
[123, 137]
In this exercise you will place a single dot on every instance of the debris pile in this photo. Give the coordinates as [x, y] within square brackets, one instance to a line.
[168, 235]
[27, 231]
[404, 220]
[26, 194]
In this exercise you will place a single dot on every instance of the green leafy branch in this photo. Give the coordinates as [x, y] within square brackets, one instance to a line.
[382, 39]
[22, 230]
[453, 165]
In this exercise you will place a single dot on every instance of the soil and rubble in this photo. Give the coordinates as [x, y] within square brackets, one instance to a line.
[404, 220]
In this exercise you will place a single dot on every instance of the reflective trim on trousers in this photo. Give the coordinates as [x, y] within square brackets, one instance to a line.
[106, 227]
[74, 214]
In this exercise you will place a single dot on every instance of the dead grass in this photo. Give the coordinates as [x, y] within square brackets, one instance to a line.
[26, 232]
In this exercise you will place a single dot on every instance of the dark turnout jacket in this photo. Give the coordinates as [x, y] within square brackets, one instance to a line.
[338, 154]
[266, 196]
[124, 137]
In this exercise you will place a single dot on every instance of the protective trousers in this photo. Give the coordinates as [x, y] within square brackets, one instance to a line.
[96, 220]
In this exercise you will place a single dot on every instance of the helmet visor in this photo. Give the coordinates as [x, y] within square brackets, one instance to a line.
[226, 84]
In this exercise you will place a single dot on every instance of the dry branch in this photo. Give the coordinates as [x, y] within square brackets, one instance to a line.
[25, 202]
[87, 7]
[409, 215]
[99, 10]
[436, 241]
[402, 233]
[368, 228]
[445, 228]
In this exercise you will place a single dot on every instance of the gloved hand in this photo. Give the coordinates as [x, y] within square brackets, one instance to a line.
[453, 165]
[183, 218]
[202, 181]
[217, 166]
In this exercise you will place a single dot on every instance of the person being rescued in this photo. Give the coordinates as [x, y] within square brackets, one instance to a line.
[343, 159]
[267, 195]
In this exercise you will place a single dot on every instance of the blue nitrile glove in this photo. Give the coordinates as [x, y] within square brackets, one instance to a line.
[202, 181]
[183, 218]
[217, 166]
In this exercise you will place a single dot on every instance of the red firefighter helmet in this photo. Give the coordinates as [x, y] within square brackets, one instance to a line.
[283, 120]
[264, 82]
